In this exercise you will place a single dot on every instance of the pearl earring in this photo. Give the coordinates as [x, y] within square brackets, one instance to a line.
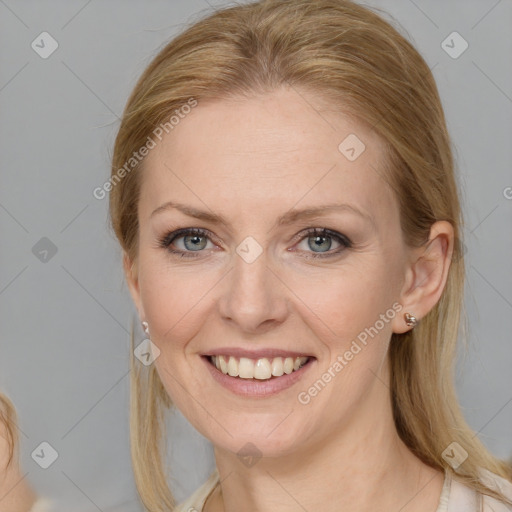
[145, 326]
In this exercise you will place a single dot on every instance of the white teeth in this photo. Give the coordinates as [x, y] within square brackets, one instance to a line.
[277, 366]
[262, 368]
[288, 365]
[245, 368]
[233, 367]
[223, 364]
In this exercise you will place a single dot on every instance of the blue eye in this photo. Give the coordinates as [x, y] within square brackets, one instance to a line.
[195, 240]
[322, 239]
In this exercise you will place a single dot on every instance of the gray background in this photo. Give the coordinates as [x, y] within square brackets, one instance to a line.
[65, 321]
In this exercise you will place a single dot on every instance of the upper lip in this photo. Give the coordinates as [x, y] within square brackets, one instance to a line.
[255, 354]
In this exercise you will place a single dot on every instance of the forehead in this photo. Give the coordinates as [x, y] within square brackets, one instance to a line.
[267, 153]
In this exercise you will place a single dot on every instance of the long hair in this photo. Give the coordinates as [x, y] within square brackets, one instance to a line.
[8, 430]
[353, 58]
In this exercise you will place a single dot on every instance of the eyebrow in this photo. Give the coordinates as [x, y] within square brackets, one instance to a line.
[287, 218]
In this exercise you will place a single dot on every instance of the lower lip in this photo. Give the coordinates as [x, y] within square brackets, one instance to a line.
[256, 388]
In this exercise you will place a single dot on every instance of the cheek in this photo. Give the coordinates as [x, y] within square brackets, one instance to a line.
[348, 303]
[351, 315]
[175, 300]
[175, 303]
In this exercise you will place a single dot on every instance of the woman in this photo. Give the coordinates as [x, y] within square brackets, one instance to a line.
[283, 190]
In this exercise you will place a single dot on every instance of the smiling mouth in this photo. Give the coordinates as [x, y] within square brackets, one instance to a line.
[261, 369]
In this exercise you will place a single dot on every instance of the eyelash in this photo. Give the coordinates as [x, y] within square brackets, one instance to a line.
[169, 238]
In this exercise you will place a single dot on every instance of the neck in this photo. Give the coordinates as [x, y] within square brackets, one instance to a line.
[364, 466]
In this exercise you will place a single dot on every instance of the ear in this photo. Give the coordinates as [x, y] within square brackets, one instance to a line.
[426, 274]
[131, 275]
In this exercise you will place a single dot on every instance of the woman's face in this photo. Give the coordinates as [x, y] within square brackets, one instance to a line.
[259, 282]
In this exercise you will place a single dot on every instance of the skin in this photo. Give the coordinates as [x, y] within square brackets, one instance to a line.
[15, 492]
[252, 160]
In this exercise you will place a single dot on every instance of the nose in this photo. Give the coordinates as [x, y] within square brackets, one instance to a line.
[254, 297]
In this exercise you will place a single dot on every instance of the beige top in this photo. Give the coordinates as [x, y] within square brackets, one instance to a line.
[455, 496]
[41, 505]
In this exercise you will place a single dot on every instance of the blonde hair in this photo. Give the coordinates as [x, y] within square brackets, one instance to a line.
[353, 58]
[8, 430]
